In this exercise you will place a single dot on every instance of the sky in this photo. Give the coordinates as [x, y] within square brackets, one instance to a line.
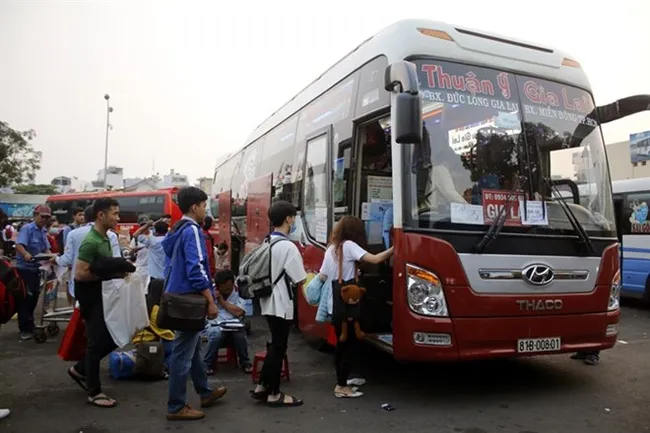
[190, 80]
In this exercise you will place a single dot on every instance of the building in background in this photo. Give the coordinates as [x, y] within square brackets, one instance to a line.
[114, 178]
[147, 184]
[65, 184]
[620, 156]
[205, 183]
[174, 179]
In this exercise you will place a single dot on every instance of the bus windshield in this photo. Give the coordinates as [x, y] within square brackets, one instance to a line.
[491, 145]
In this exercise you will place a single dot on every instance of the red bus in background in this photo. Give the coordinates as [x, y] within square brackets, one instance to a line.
[154, 204]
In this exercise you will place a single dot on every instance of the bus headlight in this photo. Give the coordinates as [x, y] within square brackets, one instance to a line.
[615, 292]
[424, 292]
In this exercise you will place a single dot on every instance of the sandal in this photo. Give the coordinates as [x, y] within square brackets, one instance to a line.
[260, 396]
[354, 394]
[281, 403]
[81, 381]
[95, 401]
[248, 369]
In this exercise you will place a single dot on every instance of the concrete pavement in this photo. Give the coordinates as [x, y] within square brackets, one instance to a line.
[537, 395]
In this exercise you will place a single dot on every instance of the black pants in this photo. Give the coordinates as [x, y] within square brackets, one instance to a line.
[272, 369]
[99, 341]
[26, 306]
[346, 354]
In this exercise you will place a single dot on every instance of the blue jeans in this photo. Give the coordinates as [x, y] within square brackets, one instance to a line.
[185, 361]
[216, 338]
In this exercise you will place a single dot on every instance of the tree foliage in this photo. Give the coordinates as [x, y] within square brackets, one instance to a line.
[18, 159]
[41, 189]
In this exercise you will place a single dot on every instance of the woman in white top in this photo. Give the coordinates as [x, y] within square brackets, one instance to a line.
[348, 240]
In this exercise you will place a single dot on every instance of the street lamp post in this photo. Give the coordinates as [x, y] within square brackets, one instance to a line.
[109, 110]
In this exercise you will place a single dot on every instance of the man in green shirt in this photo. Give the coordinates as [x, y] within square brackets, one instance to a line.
[88, 291]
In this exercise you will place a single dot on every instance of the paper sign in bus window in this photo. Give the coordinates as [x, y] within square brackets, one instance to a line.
[467, 214]
[536, 213]
[380, 187]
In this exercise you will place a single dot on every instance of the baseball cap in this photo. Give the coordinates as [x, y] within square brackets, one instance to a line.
[143, 219]
[43, 210]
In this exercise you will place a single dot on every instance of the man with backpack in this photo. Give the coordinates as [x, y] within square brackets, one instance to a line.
[277, 304]
[187, 273]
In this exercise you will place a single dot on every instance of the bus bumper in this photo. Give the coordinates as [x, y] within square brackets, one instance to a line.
[498, 337]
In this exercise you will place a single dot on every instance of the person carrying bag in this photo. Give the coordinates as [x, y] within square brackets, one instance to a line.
[181, 312]
[189, 296]
[340, 266]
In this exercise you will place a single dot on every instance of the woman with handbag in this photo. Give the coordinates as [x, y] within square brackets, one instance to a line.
[346, 250]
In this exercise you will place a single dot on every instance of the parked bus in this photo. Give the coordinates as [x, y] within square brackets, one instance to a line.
[631, 201]
[132, 205]
[451, 131]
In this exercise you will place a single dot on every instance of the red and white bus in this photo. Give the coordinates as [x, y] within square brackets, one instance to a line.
[456, 131]
[154, 204]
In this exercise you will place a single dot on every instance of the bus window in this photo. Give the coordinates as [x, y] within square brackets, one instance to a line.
[315, 209]
[635, 217]
[371, 94]
[214, 207]
[131, 207]
[341, 184]
[62, 209]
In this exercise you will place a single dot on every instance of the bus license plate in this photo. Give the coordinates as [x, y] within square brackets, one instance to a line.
[531, 345]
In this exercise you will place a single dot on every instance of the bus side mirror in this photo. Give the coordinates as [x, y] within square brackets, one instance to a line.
[408, 122]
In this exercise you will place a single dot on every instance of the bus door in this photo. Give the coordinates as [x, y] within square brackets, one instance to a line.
[225, 220]
[257, 211]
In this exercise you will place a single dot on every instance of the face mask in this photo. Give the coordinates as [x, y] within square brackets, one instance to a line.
[53, 231]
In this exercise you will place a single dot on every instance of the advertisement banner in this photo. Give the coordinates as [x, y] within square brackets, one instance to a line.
[640, 147]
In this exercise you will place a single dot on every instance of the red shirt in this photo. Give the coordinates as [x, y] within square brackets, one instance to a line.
[53, 244]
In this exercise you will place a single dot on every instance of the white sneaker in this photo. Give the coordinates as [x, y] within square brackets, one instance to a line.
[4, 413]
[357, 381]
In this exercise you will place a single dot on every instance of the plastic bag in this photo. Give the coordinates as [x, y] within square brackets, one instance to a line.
[73, 343]
[313, 290]
[125, 308]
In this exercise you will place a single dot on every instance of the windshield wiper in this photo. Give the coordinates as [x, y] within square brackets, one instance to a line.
[573, 220]
[495, 229]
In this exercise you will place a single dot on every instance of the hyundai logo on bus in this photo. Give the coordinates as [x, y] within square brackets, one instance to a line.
[538, 275]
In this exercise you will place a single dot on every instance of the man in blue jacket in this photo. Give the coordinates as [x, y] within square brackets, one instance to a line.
[188, 272]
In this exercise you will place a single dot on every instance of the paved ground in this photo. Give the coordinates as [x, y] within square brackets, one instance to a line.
[548, 394]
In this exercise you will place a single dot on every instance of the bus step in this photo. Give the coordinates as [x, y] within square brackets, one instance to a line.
[381, 341]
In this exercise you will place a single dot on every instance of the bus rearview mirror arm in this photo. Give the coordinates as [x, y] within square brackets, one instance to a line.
[610, 112]
[401, 78]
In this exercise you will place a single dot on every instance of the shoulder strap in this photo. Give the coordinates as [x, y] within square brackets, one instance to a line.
[356, 265]
[181, 225]
[284, 272]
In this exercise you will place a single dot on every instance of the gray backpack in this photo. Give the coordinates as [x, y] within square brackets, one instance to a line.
[254, 280]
